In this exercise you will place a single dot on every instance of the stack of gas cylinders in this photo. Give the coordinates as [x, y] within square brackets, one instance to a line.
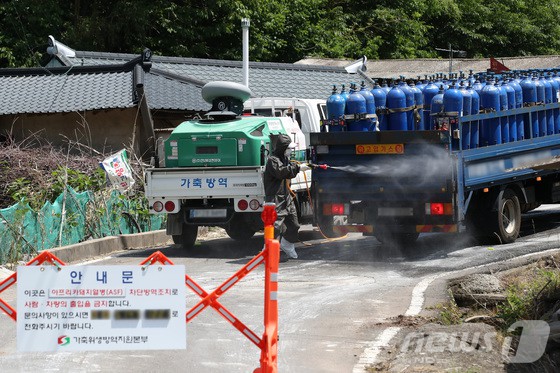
[436, 103]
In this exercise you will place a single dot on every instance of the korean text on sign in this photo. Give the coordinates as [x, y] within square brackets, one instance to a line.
[100, 308]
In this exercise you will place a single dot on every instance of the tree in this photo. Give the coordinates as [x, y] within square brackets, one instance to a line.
[281, 30]
[25, 27]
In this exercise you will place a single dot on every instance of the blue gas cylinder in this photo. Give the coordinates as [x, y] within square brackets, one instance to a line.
[555, 92]
[475, 125]
[471, 79]
[453, 101]
[467, 98]
[490, 132]
[556, 78]
[477, 86]
[531, 120]
[370, 100]
[512, 120]
[344, 93]
[467, 103]
[429, 92]
[380, 98]
[518, 101]
[504, 121]
[409, 94]
[549, 114]
[420, 84]
[385, 87]
[436, 107]
[418, 108]
[541, 99]
[356, 104]
[443, 81]
[335, 110]
[371, 123]
[453, 106]
[396, 103]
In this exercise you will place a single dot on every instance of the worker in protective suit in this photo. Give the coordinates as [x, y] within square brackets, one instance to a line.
[278, 172]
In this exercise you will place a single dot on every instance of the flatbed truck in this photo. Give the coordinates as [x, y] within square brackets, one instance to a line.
[396, 185]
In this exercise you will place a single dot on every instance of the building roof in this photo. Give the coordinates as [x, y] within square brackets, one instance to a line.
[84, 80]
[174, 83]
[266, 79]
[102, 86]
[412, 68]
[47, 91]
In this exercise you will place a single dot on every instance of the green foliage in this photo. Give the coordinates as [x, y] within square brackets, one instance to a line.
[37, 195]
[19, 189]
[449, 313]
[281, 31]
[79, 181]
[528, 299]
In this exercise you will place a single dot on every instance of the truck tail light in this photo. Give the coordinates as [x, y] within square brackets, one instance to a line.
[436, 208]
[169, 206]
[158, 206]
[334, 209]
[439, 208]
[254, 204]
[337, 209]
[242, 205]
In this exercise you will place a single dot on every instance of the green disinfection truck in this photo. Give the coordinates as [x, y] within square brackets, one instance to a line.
[210, 171]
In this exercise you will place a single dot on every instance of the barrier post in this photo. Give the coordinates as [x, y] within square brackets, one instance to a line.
[269, 351]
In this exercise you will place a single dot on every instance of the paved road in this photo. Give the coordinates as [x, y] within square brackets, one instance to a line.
[333, 302]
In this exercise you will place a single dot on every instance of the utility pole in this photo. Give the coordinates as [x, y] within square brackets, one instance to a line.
[460, 53]
[245, 23]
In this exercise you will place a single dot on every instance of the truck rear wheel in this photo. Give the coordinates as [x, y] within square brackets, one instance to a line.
[240, 234]
[502, 225]
[508, 217]
[188, 236]
[239, 229]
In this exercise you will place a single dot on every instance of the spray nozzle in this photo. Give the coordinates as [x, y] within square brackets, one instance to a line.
[321, 166]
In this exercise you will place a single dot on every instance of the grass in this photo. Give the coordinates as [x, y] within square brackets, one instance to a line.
[532, 296]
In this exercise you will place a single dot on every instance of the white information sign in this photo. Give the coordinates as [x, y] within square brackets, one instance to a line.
[80, 308]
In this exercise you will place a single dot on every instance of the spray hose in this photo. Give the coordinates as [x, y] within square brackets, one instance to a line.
[323, 167]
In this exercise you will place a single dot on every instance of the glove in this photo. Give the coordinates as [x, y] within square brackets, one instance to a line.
[304, 167]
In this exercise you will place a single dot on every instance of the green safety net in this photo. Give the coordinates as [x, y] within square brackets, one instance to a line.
[73, 217]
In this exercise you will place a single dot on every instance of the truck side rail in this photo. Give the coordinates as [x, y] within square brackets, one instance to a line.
[501, 164]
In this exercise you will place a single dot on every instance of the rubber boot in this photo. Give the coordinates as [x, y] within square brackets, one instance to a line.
[289, 248]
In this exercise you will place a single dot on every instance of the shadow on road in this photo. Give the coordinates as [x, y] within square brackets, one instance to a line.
[355, 248]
